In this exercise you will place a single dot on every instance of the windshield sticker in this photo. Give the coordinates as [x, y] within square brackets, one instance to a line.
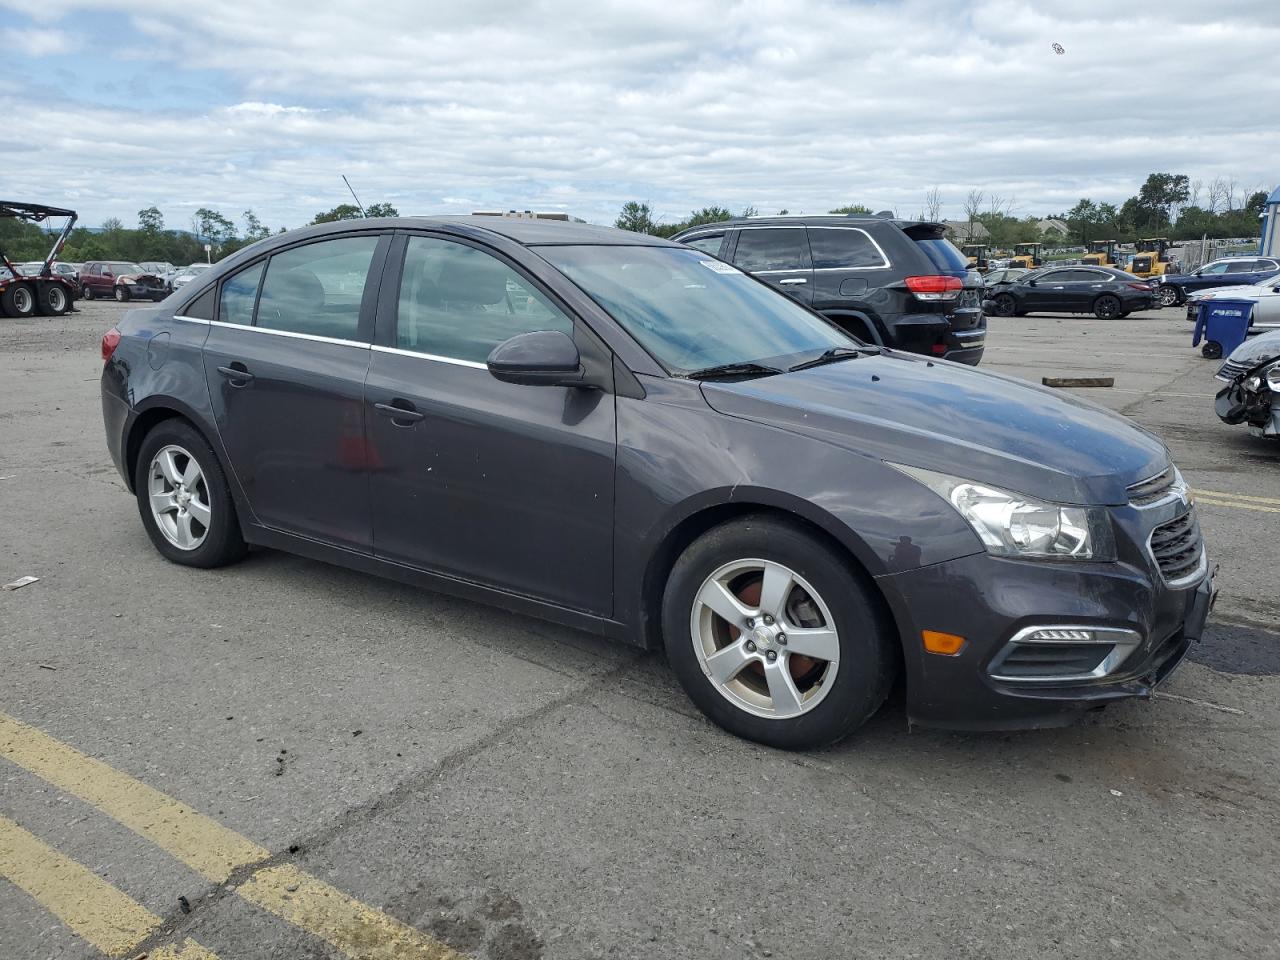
[719, 267]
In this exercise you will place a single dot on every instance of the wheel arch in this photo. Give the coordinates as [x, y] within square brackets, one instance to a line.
[863, 319]
[705, 516]
[149, 414]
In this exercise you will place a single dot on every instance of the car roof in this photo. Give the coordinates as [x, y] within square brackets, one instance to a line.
[523, 230]
[809, 219]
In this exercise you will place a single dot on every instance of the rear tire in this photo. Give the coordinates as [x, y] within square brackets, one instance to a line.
[54, 300]
[819, 655]
[1212, 350]
[19, 300]
[1106, 307]
[184, 499]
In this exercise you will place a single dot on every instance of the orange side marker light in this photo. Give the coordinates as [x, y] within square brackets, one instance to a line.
[943, 644]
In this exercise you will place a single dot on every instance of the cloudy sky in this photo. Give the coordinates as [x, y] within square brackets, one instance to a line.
[448, 107]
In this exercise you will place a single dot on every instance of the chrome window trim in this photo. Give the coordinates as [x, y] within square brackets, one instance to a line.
[1125, 643]
[291, 334]
[401, 352]
[179, 316]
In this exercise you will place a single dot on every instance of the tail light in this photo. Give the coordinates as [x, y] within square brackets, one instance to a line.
[935, 288]
[110, 340]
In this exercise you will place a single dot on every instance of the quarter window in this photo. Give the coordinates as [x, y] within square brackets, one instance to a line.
[708, 244]
[316, 289]
[762, 249]
[459, 302]
[201, 308]
[1240, 266]
[238, 293]
[836, 248]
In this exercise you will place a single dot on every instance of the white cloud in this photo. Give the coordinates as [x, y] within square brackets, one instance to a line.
[37, 42]
[803, 104]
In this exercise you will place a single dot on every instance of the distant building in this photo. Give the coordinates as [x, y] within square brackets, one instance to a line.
[962, 231]
[1053, 224]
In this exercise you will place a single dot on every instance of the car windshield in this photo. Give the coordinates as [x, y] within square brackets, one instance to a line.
[693, 313]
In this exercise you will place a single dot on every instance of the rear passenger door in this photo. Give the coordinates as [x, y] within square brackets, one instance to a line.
[779, 256]
[286, 361]
[847, 264]
[1082, 287]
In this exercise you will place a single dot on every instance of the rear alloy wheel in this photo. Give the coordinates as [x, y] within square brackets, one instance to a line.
[55, 300]
[122, 293]
[1106, 307]
[19, 300]
[184, 499]
[774, 637]
[1168, 295]
[1004, 305]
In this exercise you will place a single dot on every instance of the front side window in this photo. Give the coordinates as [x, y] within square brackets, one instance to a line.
[316, 289]
[692, 312]
[1214, 268]
[836, 248]
[766, 248]
[459, 303]
[238, 294]
[240, 291]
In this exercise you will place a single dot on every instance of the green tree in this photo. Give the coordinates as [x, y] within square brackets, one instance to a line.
[343, 211]
[1082, 219]
[253, 228]
[212, 227]
[150, 220]
[381, 210]
[1157, 199]
[749, 211]
[857, 209]
[636, 217]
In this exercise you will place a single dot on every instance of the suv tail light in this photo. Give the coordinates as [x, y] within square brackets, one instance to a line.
[110, 340]
[935, 288]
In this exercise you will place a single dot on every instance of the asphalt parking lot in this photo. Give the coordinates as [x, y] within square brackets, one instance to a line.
[293, 761]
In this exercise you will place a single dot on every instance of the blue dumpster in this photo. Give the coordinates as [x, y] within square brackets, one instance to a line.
[1223, 325]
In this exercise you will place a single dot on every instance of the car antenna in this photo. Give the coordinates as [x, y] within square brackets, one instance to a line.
[353, 195]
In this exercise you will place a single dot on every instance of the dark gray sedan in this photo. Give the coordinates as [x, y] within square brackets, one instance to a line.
[1105, 292]
[631, 437]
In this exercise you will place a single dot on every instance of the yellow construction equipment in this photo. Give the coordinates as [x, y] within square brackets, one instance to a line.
[977, 254]
[1150, 258]
[1102, 253]
[1026, 256]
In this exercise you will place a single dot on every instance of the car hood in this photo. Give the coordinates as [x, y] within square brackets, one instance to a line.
[954, 419]
[1259, 349]
[136, 276]
[1239, 291]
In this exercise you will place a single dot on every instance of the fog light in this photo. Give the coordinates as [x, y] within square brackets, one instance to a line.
[943, 644]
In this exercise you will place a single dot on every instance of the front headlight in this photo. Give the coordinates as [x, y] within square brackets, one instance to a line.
[1013, 525]
[1273, 377]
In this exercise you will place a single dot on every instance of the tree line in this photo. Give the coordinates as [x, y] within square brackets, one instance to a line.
[151, 240]
[1166, 204]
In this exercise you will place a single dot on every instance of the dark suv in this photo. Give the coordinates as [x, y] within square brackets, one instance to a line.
[894, 283]
[1172, 289]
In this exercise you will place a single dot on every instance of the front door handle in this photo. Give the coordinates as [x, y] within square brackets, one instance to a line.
[791, 281]
[237, 374]
[401, 416]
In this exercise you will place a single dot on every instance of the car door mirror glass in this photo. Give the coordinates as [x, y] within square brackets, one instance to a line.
[540, 358]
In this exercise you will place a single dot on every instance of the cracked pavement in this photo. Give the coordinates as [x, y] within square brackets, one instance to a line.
[518, 790]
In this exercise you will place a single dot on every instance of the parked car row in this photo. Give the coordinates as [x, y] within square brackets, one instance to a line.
[1105, 292]
[1173, 290]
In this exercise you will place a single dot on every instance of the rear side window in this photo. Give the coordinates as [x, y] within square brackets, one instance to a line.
[944, 256]
[238, 293]
[459, 302]
[843, 248]
[763, 249]
[316, 289]
[201, 308]
[708, 244]
[1241, 266]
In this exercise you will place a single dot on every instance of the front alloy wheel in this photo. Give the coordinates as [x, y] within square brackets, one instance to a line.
[1004, 305]
[122, 293]
[179, 497]
[1168, 295]
[765, 638]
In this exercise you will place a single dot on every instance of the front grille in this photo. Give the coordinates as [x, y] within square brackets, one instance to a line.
[1231, 369]
[1178, 548]
[1153, 489]
[1036, 661]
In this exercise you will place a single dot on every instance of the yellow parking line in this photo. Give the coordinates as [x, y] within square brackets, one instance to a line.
[1234, 504]
[215, 851]
[1236, 496]
[110, 920]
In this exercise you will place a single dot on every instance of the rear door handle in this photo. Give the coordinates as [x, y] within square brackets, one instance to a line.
[405, 413]
[237, 374]
[790, 281]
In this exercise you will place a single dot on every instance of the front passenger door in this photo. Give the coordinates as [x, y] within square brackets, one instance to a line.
[779, 256]
[495, 483]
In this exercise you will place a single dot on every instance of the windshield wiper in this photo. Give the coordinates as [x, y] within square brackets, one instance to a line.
[830, 355]
[748, 369]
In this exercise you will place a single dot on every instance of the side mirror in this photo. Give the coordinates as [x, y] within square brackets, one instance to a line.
[547, 358]
[1032, 283]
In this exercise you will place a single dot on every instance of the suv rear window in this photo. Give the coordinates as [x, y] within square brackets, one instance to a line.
[944, 256]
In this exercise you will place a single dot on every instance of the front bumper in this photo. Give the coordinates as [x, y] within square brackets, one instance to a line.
[989, 600]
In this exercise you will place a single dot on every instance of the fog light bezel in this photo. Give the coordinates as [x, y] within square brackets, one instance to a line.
[1123, 641]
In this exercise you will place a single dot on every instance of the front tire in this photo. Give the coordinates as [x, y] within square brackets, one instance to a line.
[86, 291]
[184, 499]
[1004, 305]
[775, 636]
[122, 293]
[1169, 295]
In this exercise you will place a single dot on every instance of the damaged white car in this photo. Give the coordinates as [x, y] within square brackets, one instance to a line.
[1252, 391]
